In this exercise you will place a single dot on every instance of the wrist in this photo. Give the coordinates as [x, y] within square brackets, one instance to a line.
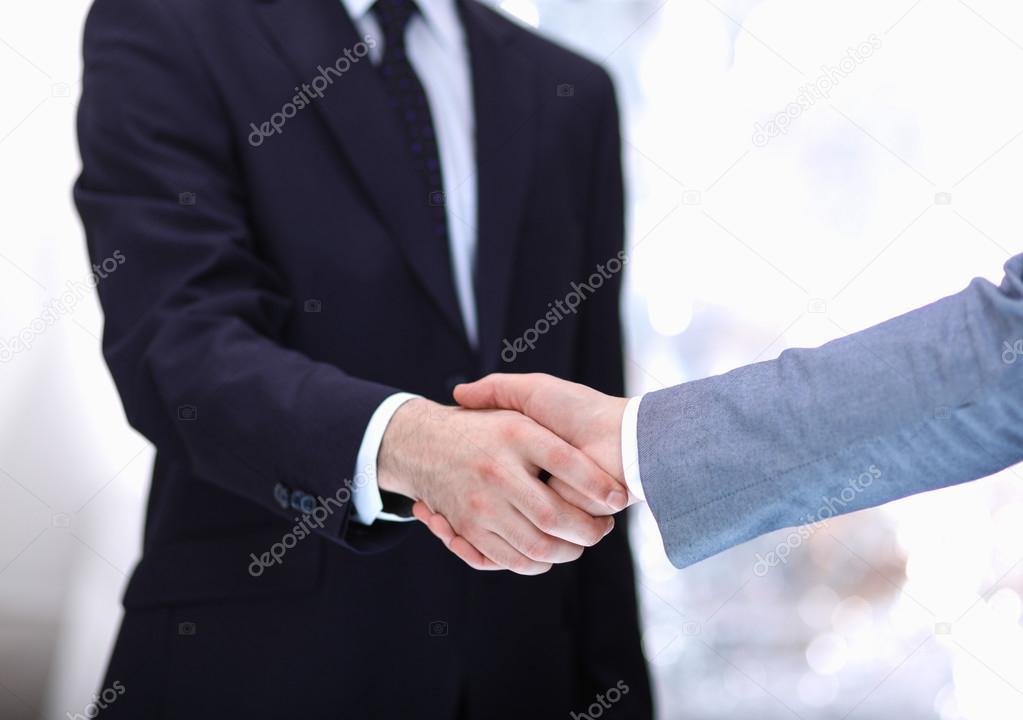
[399, 462]
[612, 431]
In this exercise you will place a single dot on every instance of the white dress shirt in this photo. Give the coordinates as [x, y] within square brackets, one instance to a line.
[630, 449]
[436, 47]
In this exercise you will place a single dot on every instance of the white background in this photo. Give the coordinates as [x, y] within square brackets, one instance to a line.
[897, 188]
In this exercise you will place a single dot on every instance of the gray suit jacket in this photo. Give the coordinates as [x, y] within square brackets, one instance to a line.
[929, 399]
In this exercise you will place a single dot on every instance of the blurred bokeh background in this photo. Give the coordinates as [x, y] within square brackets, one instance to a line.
[797, 169]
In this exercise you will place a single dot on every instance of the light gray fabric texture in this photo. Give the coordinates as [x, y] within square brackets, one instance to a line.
[929, 399]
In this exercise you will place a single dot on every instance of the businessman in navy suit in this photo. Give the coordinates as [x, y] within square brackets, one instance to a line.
[330, 213]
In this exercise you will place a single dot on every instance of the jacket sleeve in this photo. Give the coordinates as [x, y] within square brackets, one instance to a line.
[929, 399]
[194, 314]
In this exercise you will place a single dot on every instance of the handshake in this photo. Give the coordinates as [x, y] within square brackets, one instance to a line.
[525, 474]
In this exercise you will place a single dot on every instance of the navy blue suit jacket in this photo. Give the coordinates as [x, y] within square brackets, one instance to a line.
[271, 297]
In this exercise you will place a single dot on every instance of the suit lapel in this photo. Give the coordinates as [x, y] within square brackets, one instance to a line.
[314, 33]
[505, 111]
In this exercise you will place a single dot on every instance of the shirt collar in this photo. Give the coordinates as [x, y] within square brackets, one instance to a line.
[441, 16]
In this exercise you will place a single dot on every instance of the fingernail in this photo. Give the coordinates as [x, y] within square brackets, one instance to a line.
[610, 527]
[617, 500]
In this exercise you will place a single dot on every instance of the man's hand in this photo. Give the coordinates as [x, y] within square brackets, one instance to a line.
[585, 418]
[581, 416]
[478, 471]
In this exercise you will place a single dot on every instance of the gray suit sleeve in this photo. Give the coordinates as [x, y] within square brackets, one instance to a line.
[926, 400]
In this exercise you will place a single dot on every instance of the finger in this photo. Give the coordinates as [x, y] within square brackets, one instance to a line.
[422, 512]
[523, 535]
[436, 523]
[550, 514]
[498, 390]
[576, 469]
[458, 545]
[573, 497]
[472, 557]
[494, 547]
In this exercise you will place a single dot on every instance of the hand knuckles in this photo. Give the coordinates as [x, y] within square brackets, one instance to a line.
[560, 456]
[478, 503]
[510, 431]
[541, 548]
[547, 518]
[598, 480]
[489, 470]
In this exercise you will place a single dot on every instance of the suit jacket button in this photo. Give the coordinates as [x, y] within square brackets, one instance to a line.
[281, 496]
[307, 504]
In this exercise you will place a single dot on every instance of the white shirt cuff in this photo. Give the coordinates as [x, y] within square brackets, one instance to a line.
[365, 491]
[630, 450]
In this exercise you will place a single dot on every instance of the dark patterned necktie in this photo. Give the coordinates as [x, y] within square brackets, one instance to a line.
[408, 99]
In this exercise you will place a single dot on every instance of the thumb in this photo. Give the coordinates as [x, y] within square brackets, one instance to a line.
[499, 390]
